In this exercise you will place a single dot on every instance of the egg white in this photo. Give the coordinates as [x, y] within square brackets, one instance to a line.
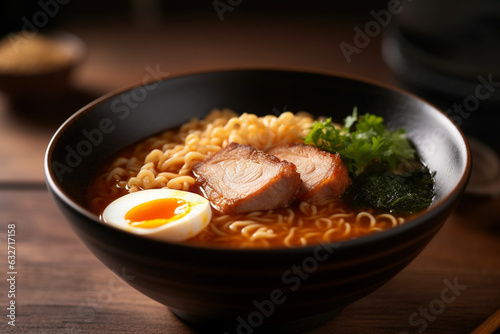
[178, 230]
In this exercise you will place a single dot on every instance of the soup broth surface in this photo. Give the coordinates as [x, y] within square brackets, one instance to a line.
[167, 160]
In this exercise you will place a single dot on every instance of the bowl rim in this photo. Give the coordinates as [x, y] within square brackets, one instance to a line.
[416, 220]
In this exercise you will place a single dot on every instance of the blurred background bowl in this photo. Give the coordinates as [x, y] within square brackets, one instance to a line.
[287, 290]
[38, 67]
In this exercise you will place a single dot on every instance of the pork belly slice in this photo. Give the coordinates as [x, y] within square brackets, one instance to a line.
[323, 174]
[240, 178]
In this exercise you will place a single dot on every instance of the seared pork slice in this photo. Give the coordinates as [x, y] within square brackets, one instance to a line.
[323, 174]
[240, 178]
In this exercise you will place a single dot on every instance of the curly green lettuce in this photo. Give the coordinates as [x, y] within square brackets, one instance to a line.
[362, 141]
[382, 163]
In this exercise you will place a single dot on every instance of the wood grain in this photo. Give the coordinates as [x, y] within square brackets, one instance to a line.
[63, 288]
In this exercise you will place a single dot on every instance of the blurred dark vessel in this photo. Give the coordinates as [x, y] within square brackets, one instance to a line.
[449, 53]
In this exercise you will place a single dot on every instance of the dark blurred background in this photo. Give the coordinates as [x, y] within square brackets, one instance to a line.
[75, 11]
[437, 49]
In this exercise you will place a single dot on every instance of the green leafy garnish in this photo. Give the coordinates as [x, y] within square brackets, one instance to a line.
[383, 165]
[362, 141]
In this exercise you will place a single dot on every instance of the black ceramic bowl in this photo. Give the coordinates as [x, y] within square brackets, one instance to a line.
[238, 290]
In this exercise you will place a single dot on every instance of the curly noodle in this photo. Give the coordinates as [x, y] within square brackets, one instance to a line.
[167, 160]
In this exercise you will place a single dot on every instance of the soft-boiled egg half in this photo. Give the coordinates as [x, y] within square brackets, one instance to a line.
[161, 214]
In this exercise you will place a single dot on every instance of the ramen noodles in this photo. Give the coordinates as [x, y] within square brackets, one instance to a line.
[167, 160]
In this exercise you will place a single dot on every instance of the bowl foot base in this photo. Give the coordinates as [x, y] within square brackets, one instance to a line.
[238, 325]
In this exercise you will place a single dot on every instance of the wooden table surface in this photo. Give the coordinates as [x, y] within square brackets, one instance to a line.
[62, 288]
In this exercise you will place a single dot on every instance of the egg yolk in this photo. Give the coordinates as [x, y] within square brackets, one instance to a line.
[157, 212]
